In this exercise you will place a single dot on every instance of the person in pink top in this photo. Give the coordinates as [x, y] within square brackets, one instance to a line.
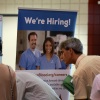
[95, 93]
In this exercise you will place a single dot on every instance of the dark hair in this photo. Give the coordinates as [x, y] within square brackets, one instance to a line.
[52, 43]
[32, 33]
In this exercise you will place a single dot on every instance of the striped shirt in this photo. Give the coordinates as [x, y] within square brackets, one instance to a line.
[87, 67]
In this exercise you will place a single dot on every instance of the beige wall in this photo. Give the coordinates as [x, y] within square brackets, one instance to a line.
[10, 23]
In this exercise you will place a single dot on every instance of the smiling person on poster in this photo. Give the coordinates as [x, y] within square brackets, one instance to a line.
[31, 87]
[49, 60]
[95, 92]
[29, 57]
[87, 67]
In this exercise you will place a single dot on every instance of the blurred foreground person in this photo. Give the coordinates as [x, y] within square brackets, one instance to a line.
[31, 87]
[7, 83]
[95, 93]
[87, 67]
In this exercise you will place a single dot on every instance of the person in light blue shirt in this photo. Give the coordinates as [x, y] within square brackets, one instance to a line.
[49, 60]
[29, 57]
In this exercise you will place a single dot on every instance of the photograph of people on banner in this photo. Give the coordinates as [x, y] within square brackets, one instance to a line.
[39, 35]
[54, 38]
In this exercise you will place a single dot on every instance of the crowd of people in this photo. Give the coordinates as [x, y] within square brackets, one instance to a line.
[70, 52]
[22, 85]
[27, 86]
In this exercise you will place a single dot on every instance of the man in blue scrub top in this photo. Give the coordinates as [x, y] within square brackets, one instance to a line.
[29, 57]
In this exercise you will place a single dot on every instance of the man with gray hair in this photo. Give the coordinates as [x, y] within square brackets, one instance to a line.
[87, 67]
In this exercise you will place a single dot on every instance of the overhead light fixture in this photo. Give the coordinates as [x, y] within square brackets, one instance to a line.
[98, 2]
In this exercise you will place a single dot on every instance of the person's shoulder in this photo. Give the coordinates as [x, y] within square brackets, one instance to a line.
[26, 51]
[93, 56]
[5, 66]
[24, 73]
[42, 56]
[55, 56]
[2, 65]
[97, 79]
[98, 76]
[92, 59]
[5, 69]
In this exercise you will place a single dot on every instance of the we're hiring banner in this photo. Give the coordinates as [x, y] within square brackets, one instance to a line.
[49, 20]
[29, 19]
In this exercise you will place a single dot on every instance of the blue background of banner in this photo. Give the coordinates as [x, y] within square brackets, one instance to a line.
[43, 15]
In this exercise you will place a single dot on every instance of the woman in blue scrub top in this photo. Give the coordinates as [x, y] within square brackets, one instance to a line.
[49, 60]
